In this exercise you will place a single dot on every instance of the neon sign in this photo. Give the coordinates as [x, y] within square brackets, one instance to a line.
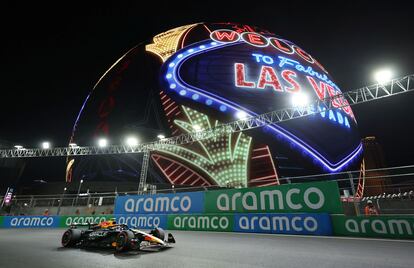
[258, 40]
[237, 73]
[268, 77]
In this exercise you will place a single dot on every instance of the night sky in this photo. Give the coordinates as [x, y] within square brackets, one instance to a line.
[52, 55]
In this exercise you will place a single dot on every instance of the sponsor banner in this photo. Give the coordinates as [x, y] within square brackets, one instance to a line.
[143, 221]
[30, 221]
[287, 198]
[301, 223]
[66, 221]
[374, 226]
[200, 222]
[191, 202]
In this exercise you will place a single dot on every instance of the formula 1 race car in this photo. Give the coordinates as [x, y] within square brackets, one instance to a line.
[109, 234]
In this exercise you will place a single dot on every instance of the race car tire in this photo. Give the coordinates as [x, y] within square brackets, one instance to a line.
[159, 233]
[71, 237]
[123, 241]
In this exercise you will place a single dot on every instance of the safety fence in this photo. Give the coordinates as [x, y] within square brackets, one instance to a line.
[306, 208]
[391, 189]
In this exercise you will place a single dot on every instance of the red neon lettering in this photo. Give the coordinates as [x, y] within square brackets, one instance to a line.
[281, 45]
[303, 54]
[241, 77]
[320, 91]
[225, 35]
[255, 39]
[266, 72]
[332, 93]
[287, 76]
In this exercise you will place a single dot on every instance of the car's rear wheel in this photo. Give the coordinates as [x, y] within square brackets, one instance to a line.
[71, 237]
[159, 233]
[123, 241]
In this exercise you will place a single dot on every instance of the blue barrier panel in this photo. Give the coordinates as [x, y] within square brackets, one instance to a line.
[144, 221]
[191, 202]
[31, 221]
[300, 223]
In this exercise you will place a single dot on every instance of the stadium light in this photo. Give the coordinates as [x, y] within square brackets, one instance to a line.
[299, 100]
[131, 141]
[383, 76]
[102, 142]
[161, 137]
[45, 145]
[73, 145]
[242, 115]
[18, 147]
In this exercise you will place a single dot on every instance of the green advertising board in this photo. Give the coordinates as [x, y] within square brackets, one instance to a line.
[1, 221]
[288, 198]
[200, 222]
[374, 226]
[66, 221]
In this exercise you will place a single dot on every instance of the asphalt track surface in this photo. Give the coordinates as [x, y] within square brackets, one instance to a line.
[32, 248]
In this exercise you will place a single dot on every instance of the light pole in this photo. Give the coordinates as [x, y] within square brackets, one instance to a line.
[61, 200]
[77, 195]
[383, 76]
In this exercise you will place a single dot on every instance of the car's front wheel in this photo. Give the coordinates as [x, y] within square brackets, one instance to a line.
[159, 233]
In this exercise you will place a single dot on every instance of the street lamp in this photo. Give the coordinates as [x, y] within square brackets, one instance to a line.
[300, 100]
[45, 145]
[102, 143]
[242, 115]
[131, 141]
[383, 76]
[77, 195]
[61, 200]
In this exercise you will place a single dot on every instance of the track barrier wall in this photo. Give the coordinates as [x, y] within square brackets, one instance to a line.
[374, 226]
[306, 208]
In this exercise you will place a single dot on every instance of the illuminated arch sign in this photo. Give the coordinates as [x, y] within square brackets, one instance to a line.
[254, 74]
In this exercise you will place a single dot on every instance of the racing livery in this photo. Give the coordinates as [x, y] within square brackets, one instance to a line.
[109, 234]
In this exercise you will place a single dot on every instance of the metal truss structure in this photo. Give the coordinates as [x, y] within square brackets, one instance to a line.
[358, 96]
[144, 170]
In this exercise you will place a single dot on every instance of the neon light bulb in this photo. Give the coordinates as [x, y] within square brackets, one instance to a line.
[195, 96]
